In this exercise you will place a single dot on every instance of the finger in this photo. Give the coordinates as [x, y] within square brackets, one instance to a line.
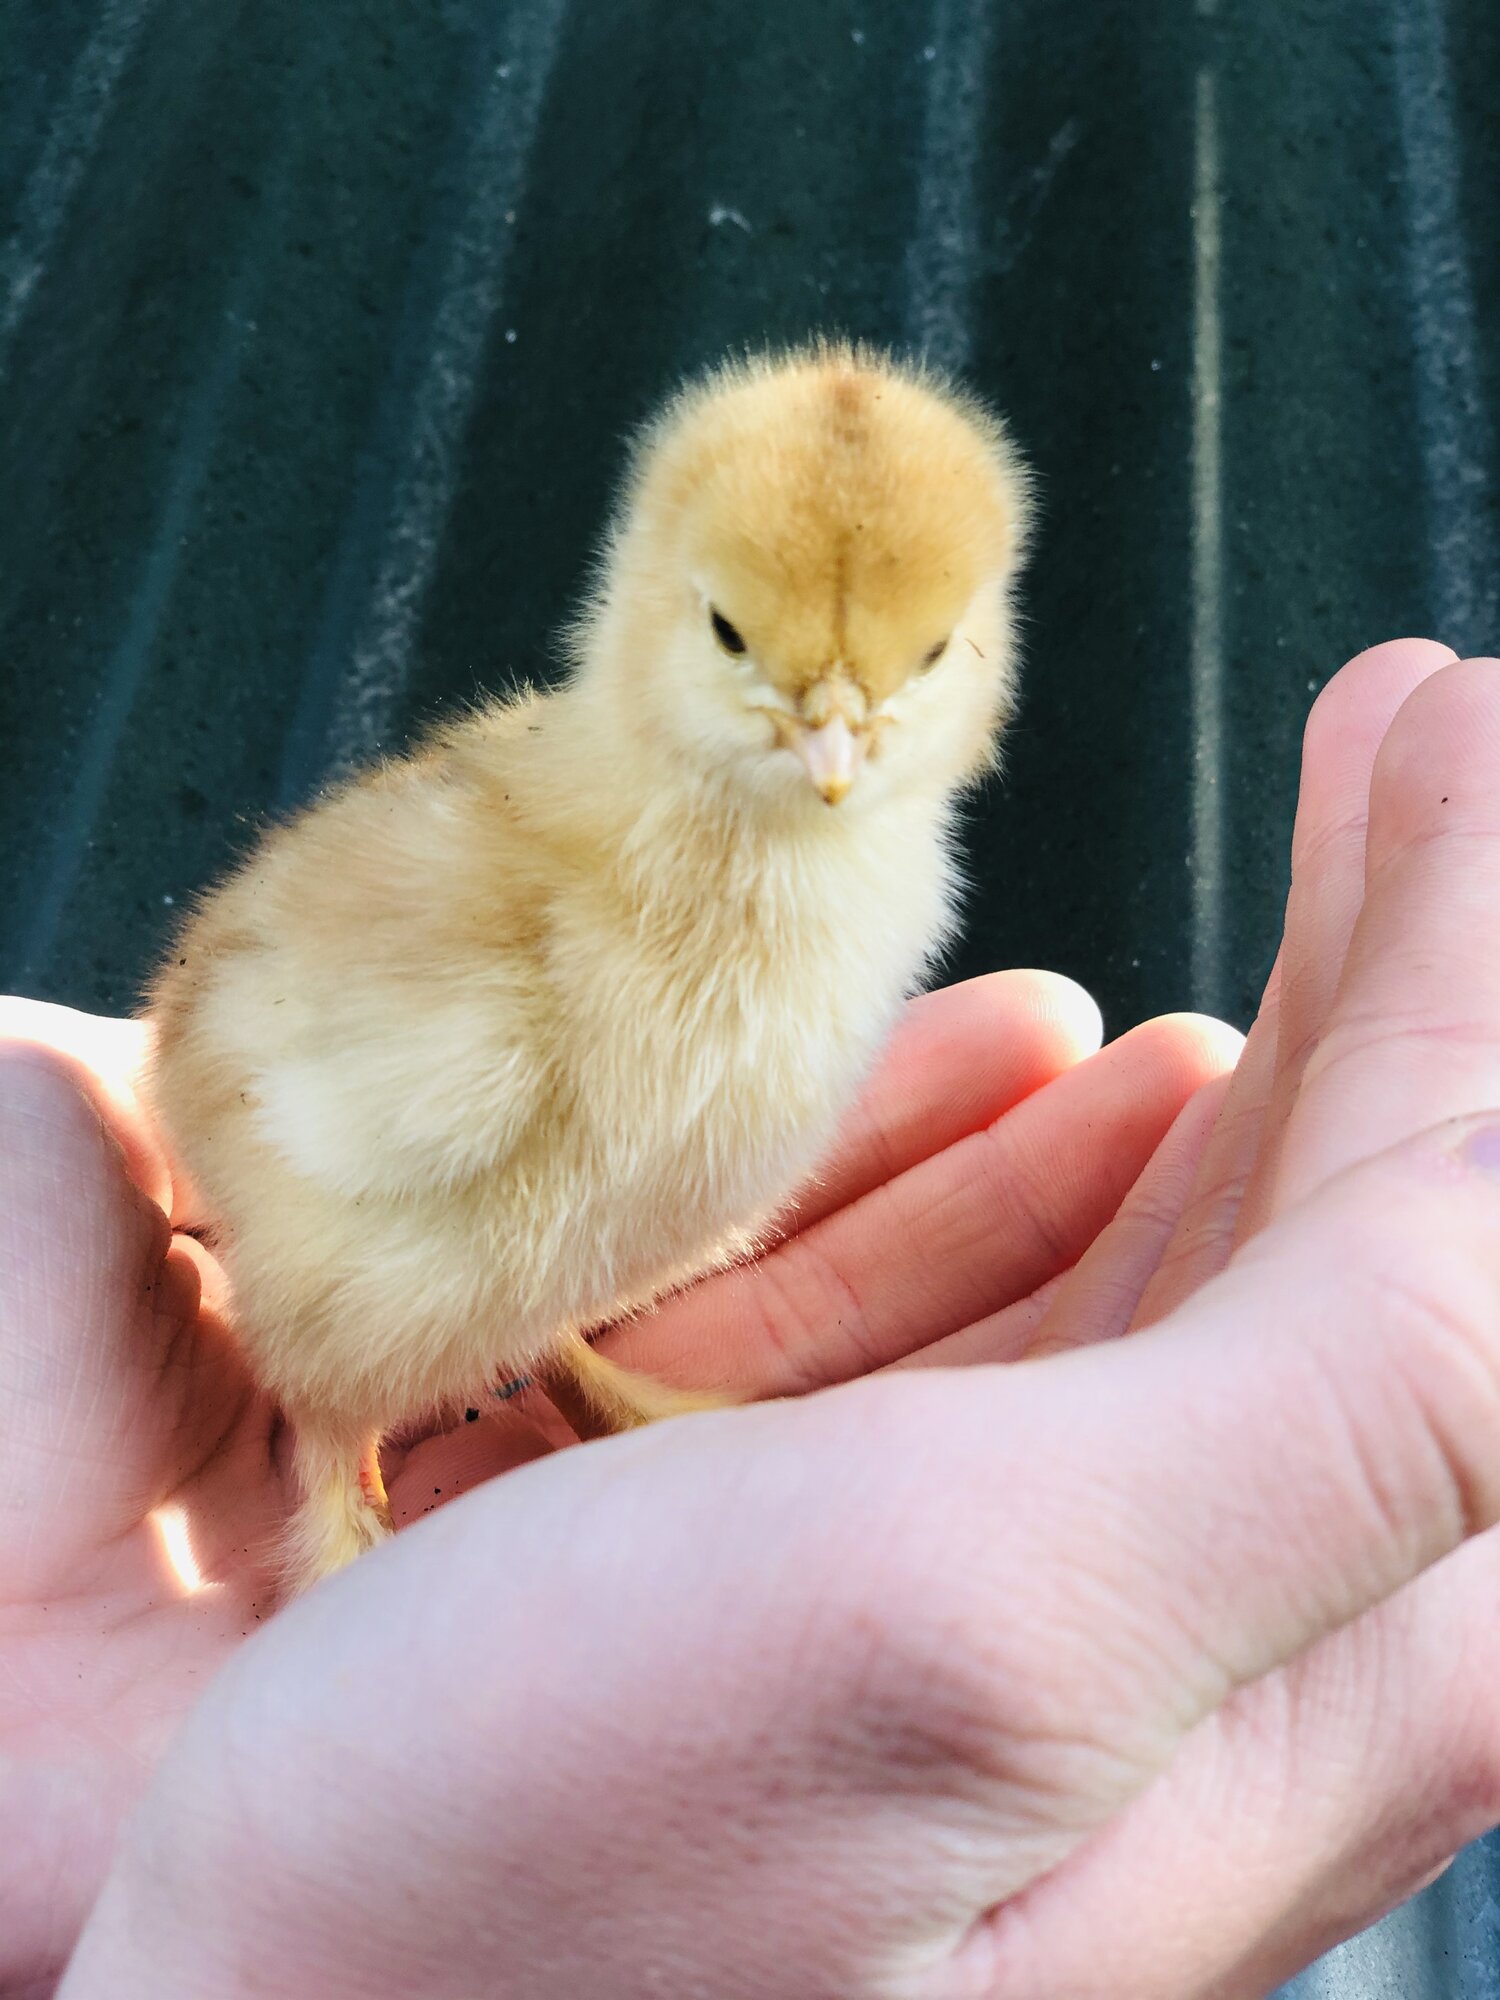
[89, 1309]
[1348, 724]
[961, 1058]
[1344, 732]
[1199, 1246]
[1414, 1033]
[1000, 1337]
[1100, 1297]
[950, 1241]
[105, 1056]
[1317, 1427]
[1094, 1300]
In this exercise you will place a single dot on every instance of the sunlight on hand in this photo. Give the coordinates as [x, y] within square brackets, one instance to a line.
[171, 1524]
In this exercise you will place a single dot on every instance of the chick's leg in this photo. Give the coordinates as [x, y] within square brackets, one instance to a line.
[598, 1397]
[343, 1508]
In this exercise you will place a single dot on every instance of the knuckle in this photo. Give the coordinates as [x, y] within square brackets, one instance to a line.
[1359, 1036]
[1016, 1191]
[1159, 1213]
[1312, 847]
[809, 1316]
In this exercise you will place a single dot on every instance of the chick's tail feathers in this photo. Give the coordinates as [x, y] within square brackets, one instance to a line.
[598, 1397]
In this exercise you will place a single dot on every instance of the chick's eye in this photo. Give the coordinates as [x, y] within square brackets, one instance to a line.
[726, 634]
[933, 654]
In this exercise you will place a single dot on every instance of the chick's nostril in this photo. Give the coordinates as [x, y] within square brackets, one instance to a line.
[834, 694]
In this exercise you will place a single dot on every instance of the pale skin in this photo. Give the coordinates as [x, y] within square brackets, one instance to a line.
[1150, 1668]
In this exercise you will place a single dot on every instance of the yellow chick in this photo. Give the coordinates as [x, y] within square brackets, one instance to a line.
[507, 1036]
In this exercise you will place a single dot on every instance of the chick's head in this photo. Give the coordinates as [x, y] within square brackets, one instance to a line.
[809, 590]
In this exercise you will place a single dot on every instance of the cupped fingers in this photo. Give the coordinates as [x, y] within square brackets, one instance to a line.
[1198, 1245]
[1413, 1034]
[1101, 1296]
[1345, 730]
[1096, 1299]
[956, 1238]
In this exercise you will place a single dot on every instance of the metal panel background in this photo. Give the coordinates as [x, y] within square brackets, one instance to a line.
[320, 327]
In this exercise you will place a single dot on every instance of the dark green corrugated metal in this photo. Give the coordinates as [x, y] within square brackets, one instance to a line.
[320, 327]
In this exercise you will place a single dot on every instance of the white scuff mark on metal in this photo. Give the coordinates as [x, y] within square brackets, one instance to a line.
[942, 258]
[89, 774]
[1014, 232]
[436, 397]
[1206, 667]
[72, 141]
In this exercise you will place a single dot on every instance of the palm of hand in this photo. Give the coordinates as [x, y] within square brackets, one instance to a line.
[145, 1481]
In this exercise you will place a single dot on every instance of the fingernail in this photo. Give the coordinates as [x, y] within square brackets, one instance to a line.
[1482, 1148]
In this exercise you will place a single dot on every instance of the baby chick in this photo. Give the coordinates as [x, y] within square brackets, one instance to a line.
[509, 1035]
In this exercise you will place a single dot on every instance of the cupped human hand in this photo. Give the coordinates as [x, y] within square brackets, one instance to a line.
[1320, 1797]
[971, 1680]
[143, 1482]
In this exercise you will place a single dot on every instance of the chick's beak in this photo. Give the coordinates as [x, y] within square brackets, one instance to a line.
[832, 755]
